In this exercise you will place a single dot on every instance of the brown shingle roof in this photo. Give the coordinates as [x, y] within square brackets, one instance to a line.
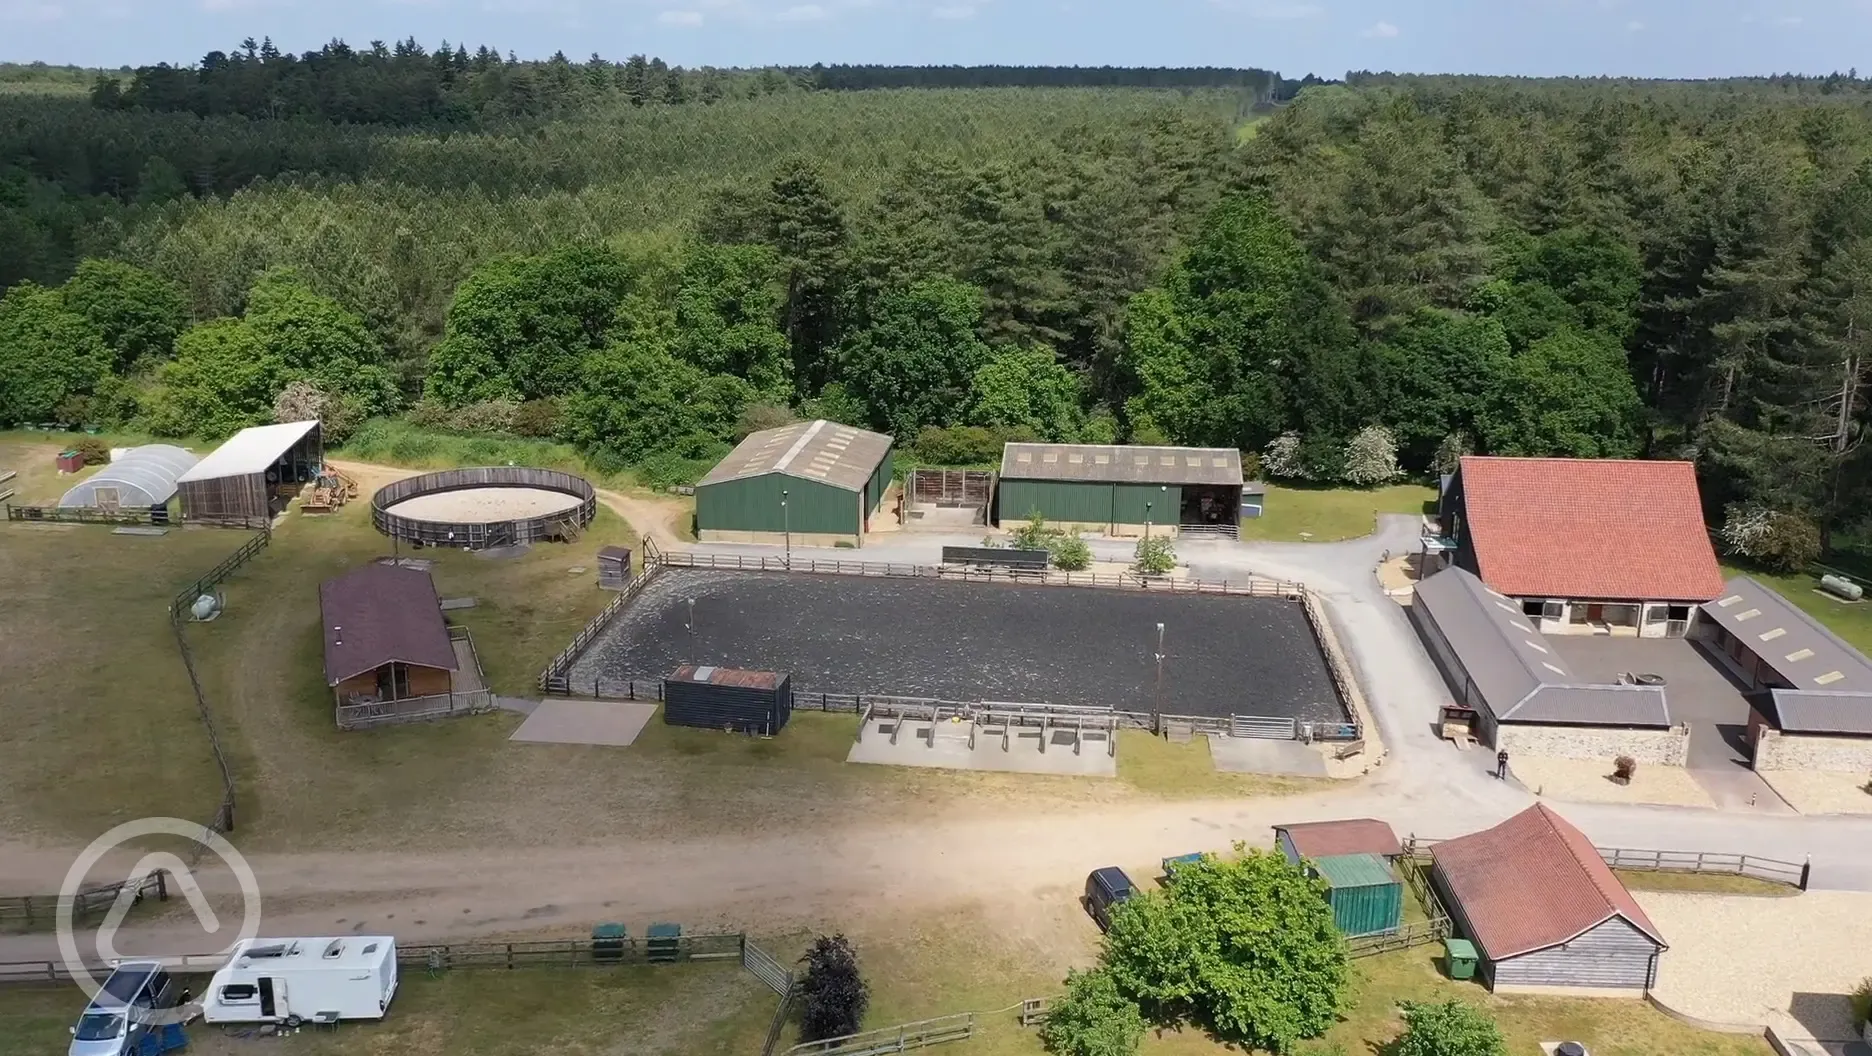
[1589, 528]
[1532, 882]
[374, 614]
[1329, 839]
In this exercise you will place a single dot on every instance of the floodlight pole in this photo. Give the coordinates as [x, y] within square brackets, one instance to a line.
[1157, 701]
[786, 527]
[692, 616]
[1147, 519]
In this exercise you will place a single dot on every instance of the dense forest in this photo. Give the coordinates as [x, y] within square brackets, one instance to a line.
[619, 256]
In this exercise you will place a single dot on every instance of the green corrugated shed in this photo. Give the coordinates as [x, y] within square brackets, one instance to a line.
[1057, 500]
[1138, 503]
[1365, 894]
[752, 504]
[833, 477]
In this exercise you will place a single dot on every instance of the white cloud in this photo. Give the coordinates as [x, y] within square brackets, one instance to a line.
[1634, 27]
[679, 18]
[1382, 29]
[953, 12]
[804, 13]
[1789, 20]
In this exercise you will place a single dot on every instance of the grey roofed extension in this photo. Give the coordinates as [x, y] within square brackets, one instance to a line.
[843, 456]
[1820, 711]
[1793, 644]
[1121, 464]
[1832, 681]
[1518, 676]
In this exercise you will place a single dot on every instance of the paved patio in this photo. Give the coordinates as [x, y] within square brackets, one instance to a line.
[608, 722]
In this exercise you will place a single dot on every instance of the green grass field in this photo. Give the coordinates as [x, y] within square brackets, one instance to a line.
[1326, 515]
[1703, 883]
[103, 732]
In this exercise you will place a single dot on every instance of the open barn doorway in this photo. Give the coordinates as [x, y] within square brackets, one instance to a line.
[1210, 509]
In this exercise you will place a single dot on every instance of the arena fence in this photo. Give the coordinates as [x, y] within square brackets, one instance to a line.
[557, 680]
[561, 525]
[1253, 587]
[887, 705]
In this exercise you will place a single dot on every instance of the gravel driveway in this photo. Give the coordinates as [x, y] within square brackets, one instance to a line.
[1787, 963]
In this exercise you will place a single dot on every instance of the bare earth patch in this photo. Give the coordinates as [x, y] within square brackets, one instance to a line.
[1588, 781]
[1821, 791]
[1783, 962]
[482, 505]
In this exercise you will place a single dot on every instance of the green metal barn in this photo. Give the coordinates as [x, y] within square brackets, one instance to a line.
[1119, 490]
[813, 483]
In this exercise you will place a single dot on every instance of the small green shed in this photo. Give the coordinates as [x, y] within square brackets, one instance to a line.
[1365, 894]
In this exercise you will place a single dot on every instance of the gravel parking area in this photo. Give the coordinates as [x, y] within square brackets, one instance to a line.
[1587, 781]
[485, 505]
[976, 641]
[1782, 962]
[1821, 791]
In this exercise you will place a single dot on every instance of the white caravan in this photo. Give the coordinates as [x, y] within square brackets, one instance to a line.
[304, 980]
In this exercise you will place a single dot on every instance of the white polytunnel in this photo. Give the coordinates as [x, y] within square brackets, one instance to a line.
[143, 476]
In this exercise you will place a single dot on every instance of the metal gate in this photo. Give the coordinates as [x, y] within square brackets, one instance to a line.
[1264, 727]
[950, 488]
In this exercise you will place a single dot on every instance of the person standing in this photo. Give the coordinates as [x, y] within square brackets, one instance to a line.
[1501, 765]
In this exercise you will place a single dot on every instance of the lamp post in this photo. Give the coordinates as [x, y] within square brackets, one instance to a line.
[1147, 519]
[786, 527]
[692, 617]
[1157, 701]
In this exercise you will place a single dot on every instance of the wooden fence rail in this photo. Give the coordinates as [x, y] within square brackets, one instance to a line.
[1416, 933]
[1645, 860]
[902, 1038]
[556, 678]
[377, 713]
[565, 953]
[34, 911]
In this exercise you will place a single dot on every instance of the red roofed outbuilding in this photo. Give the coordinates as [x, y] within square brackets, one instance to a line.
[1544, 910]
[1614, 545]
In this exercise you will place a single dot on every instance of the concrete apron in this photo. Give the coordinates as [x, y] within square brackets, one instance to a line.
[1722, 772]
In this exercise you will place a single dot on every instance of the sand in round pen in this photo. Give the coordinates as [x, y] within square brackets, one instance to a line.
[484, 505]
[976, 641]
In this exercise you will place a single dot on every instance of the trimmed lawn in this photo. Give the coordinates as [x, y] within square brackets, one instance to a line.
[1154, 766]
[713, 1007]
[1851, 620]
[101, 725]
[1703, 883]
[1328, 515]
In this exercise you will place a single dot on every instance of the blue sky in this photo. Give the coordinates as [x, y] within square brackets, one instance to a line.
[1662, 38]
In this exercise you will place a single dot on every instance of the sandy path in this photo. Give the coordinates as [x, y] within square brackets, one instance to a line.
[652, 518]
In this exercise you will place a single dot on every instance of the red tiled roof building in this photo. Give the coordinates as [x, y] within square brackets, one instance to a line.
[1604, 543]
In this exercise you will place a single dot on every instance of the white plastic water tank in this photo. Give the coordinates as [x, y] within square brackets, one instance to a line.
[205, 607]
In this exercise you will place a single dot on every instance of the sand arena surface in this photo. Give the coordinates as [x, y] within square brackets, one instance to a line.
[485, 505]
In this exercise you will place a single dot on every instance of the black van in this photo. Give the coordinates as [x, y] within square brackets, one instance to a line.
[1106, 888]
